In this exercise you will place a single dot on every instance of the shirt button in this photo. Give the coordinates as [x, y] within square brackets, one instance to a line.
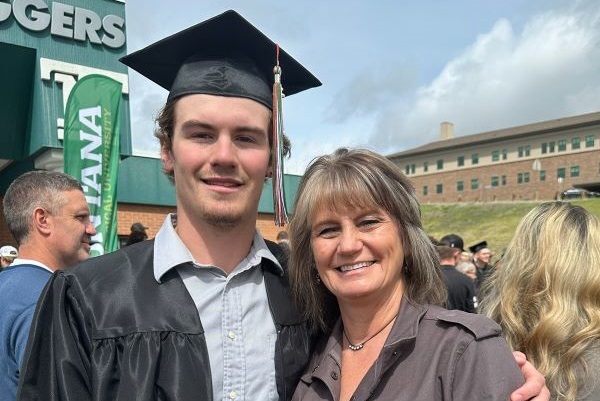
[231, 335]
[334, 375]
[233, 395]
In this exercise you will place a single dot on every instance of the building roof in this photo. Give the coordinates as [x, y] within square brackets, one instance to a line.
[539, 128]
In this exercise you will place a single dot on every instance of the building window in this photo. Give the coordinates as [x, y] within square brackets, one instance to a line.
[495, 155]
[589, 141]
[562, 145]
[460, 161]
[544, 148]
[460, 186]
[474, 183]
[474, 158]
[407, 169]
[560, 172]
[574, 171]
[526, 177]
[440, 164]
[503, 180]
[425, 166]
[551, 147]
[439, 188]
[495, 181]
[542, 175]
[575, 143]
[519, 178]
[413, 168]
[524, 151]
[425, 190]
[504, 154]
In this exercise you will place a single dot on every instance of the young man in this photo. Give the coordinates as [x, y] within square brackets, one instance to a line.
[481, 260]
[203, 311]
[48, 216]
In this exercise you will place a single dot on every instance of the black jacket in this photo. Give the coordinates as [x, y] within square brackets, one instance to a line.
[461, 290]
[107, 330]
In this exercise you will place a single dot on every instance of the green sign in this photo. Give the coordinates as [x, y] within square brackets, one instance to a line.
[91, 152]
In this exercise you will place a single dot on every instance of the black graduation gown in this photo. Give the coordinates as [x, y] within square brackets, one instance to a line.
[107, 330]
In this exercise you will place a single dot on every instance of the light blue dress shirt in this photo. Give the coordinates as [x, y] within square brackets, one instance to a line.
[234, 311]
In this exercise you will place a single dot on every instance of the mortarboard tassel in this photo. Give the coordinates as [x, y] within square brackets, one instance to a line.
[281, 218]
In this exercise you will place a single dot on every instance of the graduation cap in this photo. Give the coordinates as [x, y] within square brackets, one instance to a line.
[478, 246]
[453, 241]
[224, 55]
[227, 56]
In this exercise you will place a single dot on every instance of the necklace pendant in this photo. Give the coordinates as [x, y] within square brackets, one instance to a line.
[356, 347]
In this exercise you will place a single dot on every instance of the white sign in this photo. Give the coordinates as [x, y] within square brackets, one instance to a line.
[66, 21]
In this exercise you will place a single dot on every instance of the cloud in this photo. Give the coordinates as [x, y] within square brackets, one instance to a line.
[145, 102]
[505, 78]
[370, 91]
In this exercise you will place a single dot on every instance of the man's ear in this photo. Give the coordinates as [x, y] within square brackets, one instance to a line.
[166, 157]
[41, 220]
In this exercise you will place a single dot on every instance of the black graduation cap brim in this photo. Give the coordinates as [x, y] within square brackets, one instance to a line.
[224, 55]
[478, 246]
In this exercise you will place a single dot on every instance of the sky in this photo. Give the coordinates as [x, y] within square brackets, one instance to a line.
[393, 70]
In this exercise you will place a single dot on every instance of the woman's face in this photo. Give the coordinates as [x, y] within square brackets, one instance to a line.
[358, 252]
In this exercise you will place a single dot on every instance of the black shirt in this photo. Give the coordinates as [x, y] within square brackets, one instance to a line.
[461, 290]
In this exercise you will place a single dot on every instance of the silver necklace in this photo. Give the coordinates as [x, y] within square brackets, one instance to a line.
[359, 346]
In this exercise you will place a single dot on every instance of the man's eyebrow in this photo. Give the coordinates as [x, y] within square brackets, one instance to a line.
[196, 124]
[190, 124]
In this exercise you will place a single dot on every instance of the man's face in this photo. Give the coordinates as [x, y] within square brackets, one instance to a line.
[71, 230]
[219, 158]
[484, 255]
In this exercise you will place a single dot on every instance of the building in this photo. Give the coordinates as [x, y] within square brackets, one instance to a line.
[46, 47]
[530, 162]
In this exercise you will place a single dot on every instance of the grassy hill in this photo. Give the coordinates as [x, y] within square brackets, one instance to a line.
[494, 222]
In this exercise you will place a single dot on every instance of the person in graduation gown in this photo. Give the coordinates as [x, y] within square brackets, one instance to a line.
[202, 311]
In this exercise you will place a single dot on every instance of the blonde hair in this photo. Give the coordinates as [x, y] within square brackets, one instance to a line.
[359, 178]
[546, 294]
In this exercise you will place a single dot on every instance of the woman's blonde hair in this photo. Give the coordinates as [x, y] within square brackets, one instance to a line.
[359, 178]
[546, 293]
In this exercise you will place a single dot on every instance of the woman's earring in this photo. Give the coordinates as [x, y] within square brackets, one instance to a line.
[318, 279]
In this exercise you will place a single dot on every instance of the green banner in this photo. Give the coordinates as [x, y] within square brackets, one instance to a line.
[91, 152]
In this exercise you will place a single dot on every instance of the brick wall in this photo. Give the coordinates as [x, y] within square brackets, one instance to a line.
[150, 216]
[266, 226]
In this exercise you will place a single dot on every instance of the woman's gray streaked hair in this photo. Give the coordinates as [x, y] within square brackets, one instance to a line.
[359, 178]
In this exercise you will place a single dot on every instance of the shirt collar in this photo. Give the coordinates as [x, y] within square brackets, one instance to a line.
[170, 251]
[21, 261]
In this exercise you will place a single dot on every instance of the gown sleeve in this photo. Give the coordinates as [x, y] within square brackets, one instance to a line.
[57, 364]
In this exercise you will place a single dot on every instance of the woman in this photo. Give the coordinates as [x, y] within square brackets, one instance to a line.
[546, 297]
[363, 270]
